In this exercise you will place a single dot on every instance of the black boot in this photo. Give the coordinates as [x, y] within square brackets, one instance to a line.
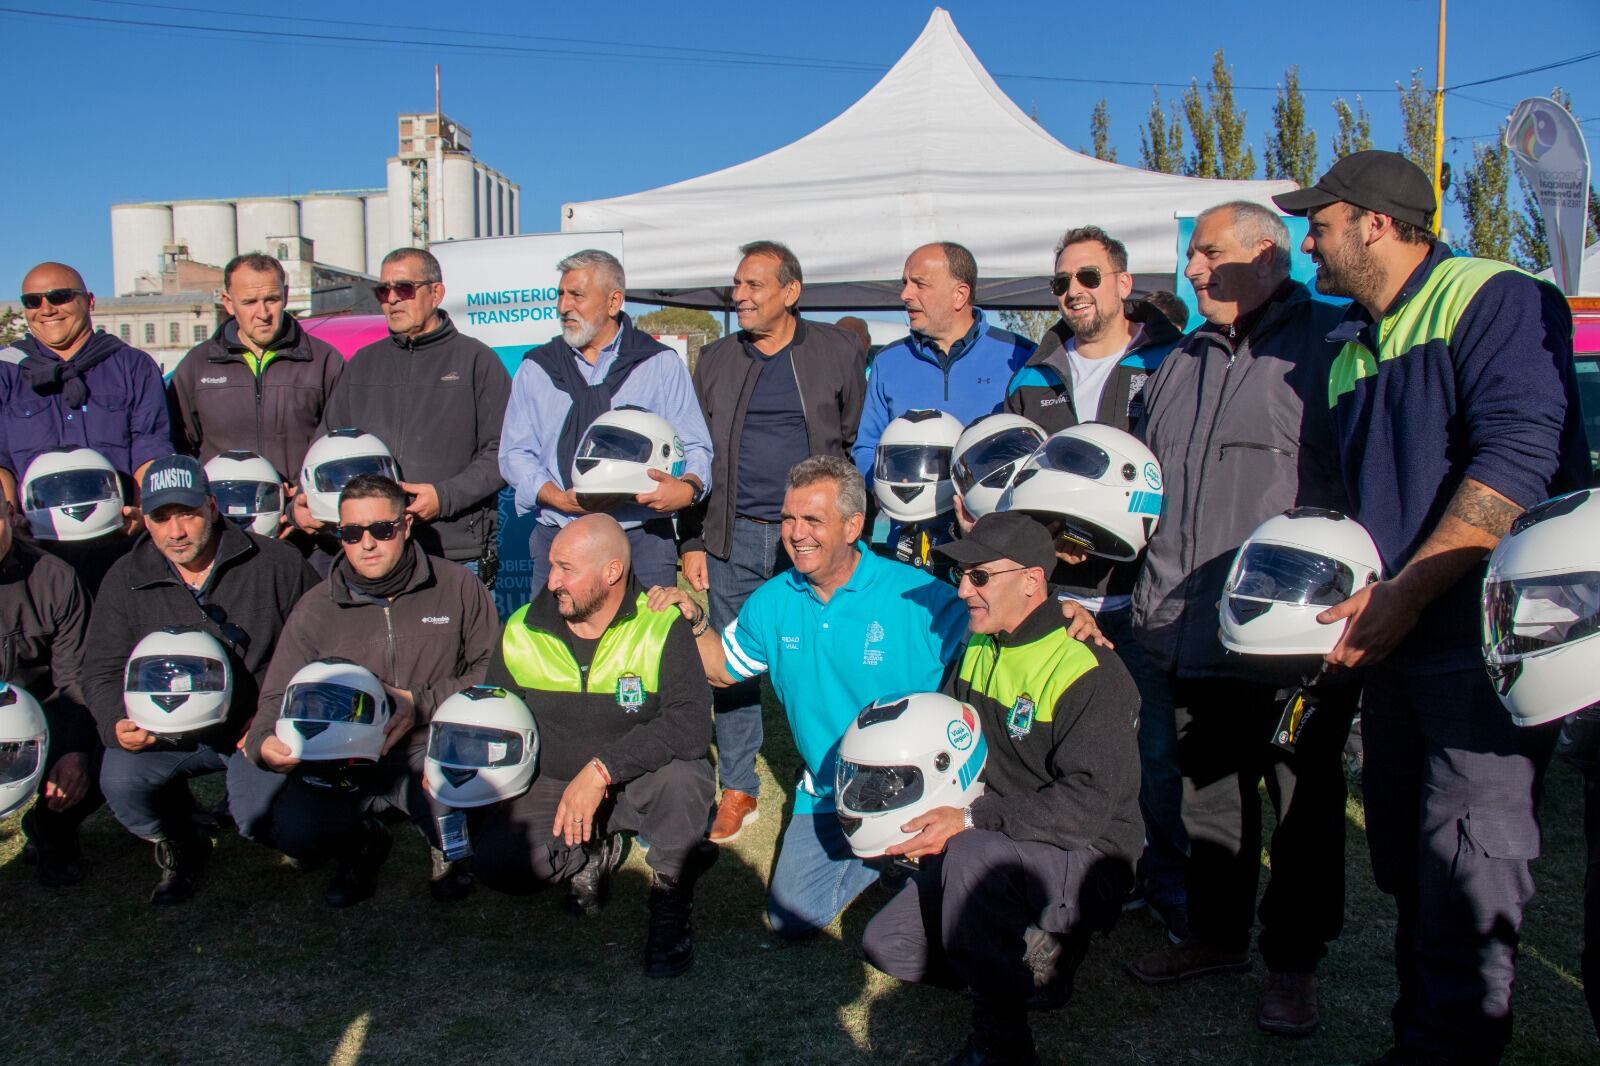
[999, 1038]
[356, 878]
[669, 942]
[183, 862]
[449, 881]
[589, 887]
[53, 848]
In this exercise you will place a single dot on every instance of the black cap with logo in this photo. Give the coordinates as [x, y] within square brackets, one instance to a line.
[1385, 182]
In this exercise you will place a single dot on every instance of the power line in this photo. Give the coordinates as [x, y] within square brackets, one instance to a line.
[1530, 70]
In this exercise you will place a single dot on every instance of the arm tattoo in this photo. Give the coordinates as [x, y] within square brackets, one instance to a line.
[1482, 508]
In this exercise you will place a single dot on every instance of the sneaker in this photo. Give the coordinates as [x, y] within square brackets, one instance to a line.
[449, 881]
[182, 863]
[58, 863]
[589, 887]
[356, 877]
[1289, 1005]
[1180, 962]
[737, 810]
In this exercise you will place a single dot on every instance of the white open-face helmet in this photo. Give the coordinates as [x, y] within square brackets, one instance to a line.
[1541, 610]
[24, 739]
[334, 459]
[71, 494]
[483, 747]
[178, 680]
[1290, 569]
[618, 451]
[1099, 486]
[248, 491]
[988, 455]
[901, 758]
[334, 711]
[911, 470]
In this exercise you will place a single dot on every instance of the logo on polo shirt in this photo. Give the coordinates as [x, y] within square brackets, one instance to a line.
[452, 376]
[791, 643]
[223, 380]
[871, 656]
[176, 478]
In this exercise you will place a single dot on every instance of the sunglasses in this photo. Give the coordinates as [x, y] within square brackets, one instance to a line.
[403, 290]
[978, 577]
[352, 533]
[1088, 277]
[35, 300]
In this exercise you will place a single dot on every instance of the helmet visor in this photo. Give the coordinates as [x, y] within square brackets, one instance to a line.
[1280, 574]
[992, 460]
[333, 476]
[70, 487]
[19, 759]
[240, 499]
[614, 442]
[875, 789]
[1525, 616]
[480, 747]
[176, 673]
[1070, 455]
[912, 464]
[322, 701]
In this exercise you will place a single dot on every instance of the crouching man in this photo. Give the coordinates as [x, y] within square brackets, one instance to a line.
[1010, 888]
[624, 716]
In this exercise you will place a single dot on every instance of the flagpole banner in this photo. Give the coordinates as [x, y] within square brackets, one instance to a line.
[1553, 163]
[502, 291]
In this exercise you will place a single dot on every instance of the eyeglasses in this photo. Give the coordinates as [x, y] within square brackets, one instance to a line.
[402, 290]
[34, 300]
[1088, 277]
[978, 577]
[352, 533]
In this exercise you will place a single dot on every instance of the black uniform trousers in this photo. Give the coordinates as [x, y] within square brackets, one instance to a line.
[514, 851]
[49, 829]
[1452, 788]
[1225, 751]
[960, 920]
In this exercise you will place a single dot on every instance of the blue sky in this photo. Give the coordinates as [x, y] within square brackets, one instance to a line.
[581, 102]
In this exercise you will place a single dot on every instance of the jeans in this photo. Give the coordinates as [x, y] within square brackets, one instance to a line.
[148, 790]
[754, 555]
[655, 554]
[1162, 867]
[816, 876]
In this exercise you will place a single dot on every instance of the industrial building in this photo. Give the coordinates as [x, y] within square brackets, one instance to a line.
[434, 191]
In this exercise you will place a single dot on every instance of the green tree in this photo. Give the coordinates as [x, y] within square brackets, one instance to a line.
[1031, 324]
[1161, 139]
[680, 320]
[1484, 190]
[1291, 151]
[12, 325]
[1216, 126]
[1100, 132]
[1202, 134]
[1355, 128]
[1416, 119]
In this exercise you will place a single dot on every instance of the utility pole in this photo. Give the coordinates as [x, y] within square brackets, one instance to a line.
[1438, 131]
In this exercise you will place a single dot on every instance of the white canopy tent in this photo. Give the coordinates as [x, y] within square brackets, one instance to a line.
[1588, 274]
[935, 151]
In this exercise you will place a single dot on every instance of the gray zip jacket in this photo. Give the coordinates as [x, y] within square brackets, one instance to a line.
[1241, 427]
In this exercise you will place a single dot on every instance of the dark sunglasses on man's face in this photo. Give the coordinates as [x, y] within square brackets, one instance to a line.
[352, 533]
[403, 290]
[1088, 277]
[980, 578]
[34, 300]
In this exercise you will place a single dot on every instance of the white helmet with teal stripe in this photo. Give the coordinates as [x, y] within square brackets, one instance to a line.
[618, 451]
[1094, 484]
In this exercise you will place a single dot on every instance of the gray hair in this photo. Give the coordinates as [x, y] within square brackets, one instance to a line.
[852, 487]
[605, 265]
[788, 264]
[1253, 224]
[963, 267]
[431, 271]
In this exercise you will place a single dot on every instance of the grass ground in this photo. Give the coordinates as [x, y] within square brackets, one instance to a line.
[258, 970]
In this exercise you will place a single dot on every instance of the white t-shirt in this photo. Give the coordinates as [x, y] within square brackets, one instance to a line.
[1089, 377]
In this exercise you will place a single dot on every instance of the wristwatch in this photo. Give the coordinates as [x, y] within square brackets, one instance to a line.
[966, 817]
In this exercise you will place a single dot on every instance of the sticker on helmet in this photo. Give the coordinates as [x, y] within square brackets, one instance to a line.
[1152, 476]
[678, 461]
[1019, 720]
[960, 735]
[630, 692]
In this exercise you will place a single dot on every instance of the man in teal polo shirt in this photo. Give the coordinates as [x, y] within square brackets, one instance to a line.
[841, 630]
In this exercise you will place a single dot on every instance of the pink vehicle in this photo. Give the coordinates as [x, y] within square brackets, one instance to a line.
[348, 333]
[1586, 357]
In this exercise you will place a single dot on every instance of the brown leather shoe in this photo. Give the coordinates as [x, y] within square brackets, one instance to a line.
[737, 810]
[1190, 959]
[1289, 1004]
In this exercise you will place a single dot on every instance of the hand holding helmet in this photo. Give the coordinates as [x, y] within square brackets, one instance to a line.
[335, 711]
[483, 747]
[625, 454]
[178, 680]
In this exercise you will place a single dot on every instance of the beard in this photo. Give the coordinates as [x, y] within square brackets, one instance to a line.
[580, 609]
[581, 332]
[1095, 327]
[1351, 271]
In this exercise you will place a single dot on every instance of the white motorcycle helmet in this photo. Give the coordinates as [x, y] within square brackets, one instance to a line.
[72, 494]
[1290, 569]
[248, 491]
[334, 459]
[988, 455]
[177, 680]
[24, 741]
[1541, 610]
[483, 747]
[1101, 486]
[618, 451]
[334, 710]
[901, 758]
[911, 469]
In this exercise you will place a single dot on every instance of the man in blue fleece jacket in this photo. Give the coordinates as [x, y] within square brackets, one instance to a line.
[1455, 408]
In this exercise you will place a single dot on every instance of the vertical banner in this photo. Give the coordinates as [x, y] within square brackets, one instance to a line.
[1301, 268]
[502, 291]
[1553, 163]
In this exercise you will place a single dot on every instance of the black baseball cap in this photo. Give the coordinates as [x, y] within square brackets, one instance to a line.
[173, 479]
[1004, 535]
[1385, 182]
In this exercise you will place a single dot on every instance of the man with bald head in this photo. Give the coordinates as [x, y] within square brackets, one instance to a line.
[624, 716]
[75, 387]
